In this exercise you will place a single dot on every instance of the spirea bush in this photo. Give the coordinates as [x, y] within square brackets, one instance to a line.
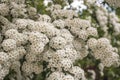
[54, 46]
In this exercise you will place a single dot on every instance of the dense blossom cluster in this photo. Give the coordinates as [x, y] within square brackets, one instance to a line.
[114, 20]
[101, 49]
[27, 42]
[102, 17]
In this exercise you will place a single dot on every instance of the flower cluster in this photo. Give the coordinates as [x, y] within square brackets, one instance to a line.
[30, 45]
[114, 20]
[102, 17]
[101, 49]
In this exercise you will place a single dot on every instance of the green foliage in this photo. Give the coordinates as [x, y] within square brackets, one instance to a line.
[70, 1]
[61, 2]
[118, 12]
[84, 14]
[112, 73]
[38, 4]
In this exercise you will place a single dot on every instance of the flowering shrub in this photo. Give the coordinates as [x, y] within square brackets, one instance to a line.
[53, 45]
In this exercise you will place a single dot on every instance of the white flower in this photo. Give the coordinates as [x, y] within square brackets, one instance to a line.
[35, 37]
[68, 77]
[78, 72]
[9, 44]
[4, 9]
[56, 76]
[44, 18]
[59, 23]
[66, 64]
[3, 57]
[92, 43]
[92, 31]
[57, 42]
[37, 48]
[20, 23]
